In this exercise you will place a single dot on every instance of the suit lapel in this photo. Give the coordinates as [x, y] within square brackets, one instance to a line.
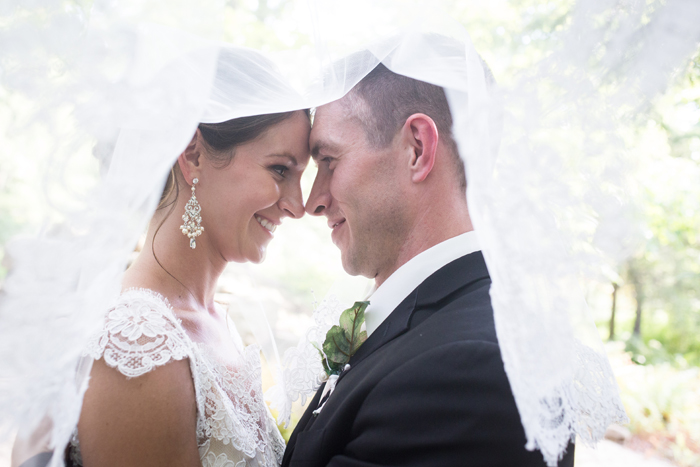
[451, 278]
[447, 280]
[396, 324]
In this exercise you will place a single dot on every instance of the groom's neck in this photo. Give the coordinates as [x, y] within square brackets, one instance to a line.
[431, 228]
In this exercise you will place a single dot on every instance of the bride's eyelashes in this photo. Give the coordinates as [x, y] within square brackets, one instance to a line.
[280, 170]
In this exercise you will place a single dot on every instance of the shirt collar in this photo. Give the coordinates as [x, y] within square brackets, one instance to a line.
[410, 275]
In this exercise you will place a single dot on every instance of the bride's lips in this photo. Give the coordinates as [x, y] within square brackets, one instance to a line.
[266, 224]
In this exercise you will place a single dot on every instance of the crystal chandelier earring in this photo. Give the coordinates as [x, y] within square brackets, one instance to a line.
[192, 218]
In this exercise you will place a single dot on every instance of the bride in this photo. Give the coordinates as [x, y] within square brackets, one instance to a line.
[172, 383]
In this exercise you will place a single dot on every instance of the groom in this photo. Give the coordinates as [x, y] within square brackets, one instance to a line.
[428, 387]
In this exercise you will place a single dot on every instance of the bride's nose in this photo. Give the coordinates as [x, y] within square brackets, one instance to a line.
[292, 203]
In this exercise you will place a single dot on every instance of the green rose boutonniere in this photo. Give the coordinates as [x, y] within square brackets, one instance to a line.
[343, 341]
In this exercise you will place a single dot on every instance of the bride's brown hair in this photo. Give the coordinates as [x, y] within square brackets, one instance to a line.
[222, 139]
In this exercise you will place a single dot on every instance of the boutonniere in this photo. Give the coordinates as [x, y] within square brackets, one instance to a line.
[342, 341]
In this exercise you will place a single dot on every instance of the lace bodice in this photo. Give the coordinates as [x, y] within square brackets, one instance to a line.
[234, 425]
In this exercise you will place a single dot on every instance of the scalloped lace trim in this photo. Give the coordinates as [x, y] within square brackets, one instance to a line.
[140, 333]
[584, 406]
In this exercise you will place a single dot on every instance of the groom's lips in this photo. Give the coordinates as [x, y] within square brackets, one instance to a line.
[335, 226]
[332, 224]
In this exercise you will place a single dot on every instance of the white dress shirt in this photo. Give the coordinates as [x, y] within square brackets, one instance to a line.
[409, 276]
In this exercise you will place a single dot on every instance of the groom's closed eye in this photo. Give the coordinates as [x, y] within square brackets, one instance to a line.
[321, 148]
[326, 160]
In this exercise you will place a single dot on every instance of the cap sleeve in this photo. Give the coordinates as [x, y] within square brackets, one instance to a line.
[140, 334]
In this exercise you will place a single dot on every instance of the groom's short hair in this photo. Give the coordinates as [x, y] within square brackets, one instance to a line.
[383, 100]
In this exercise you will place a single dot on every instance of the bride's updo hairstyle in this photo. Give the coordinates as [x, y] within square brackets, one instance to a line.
[242, 77]
[222, 139]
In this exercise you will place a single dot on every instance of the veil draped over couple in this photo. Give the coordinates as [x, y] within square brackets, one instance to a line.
[475, 349]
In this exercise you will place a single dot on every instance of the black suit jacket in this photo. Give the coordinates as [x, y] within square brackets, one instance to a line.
[427, 388]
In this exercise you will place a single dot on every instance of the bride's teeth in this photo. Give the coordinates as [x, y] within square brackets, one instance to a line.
[265, 223]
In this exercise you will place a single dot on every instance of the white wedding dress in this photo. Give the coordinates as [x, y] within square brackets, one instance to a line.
[234, 425]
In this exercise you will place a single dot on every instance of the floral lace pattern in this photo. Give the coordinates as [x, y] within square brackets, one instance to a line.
[302, 371]
[140, 334]
[234, 411]
[234, 426]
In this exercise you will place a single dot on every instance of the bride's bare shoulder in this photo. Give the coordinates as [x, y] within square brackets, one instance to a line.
[140, 406]
[147, 420]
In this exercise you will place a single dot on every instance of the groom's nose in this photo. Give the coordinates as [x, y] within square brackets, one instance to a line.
[319, 198]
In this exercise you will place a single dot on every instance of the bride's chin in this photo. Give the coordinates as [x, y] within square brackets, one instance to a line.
[260, 256]
[259, 260]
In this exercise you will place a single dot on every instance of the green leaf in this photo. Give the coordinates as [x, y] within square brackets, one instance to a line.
[343, 341]
[351, 321]
[334, 347]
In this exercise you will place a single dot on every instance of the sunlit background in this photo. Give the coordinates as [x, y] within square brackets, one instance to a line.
[646, 306]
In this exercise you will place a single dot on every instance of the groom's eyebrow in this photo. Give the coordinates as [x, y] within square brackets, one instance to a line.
[322, 146]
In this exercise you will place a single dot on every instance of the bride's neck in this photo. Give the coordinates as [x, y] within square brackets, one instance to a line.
[167, 264]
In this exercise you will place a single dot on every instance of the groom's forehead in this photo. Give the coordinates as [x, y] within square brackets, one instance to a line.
[338, 110]
[334, 127]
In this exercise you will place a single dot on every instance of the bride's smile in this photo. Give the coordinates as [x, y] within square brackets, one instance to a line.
[266, 224]
[245, 200]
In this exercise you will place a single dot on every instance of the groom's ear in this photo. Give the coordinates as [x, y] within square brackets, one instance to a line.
[189, 159]
[422, 135]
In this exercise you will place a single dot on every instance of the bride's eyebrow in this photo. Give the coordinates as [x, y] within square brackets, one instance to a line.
[292, 160]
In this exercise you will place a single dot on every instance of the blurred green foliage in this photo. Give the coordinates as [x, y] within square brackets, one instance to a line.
[661, 402]
[664, 273]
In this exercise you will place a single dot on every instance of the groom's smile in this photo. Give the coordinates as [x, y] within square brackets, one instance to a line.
[358, 189]
[335, 227]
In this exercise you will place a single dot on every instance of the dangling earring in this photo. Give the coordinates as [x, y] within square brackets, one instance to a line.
[192, 218]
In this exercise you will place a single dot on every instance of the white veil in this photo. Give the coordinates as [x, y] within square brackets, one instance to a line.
[143, 71]
[132, 92]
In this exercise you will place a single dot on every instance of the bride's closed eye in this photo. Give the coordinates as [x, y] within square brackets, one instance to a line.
[281, 170]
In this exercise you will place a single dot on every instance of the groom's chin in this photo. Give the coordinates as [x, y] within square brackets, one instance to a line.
[349, 263]
[354, 266]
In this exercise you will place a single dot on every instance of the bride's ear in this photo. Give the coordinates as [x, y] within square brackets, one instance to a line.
[189, 159]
